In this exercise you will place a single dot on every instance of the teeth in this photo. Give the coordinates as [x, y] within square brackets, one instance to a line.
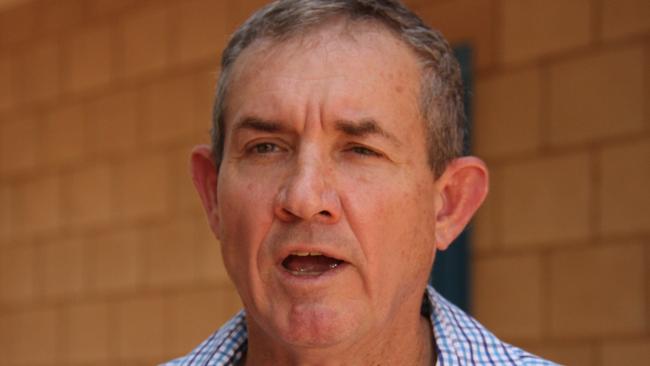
[305, 254]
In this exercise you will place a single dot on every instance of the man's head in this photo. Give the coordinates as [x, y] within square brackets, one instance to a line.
[441, 102]
[323, 196]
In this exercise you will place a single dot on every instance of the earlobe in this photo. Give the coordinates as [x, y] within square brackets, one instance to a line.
[462, 187]
[204, 177]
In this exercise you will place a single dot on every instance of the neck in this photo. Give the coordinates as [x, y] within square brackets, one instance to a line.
[405, 344]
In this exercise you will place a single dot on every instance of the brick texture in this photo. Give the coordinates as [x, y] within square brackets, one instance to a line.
[115, 263]
[17, 274]
[625, 17]
[38, 72]
[142, 188]
[63, 135]
[89, 59]
[635, 353]
[111, 123]
[531, 29]
[598, 96]
[89, 196]
[504, 127]
[546, 201]
[580, 277]
[625, 176]
[450, 17]
[201, 30]
[170, 253]
[7, 87]
[61, 266]
[19, 144]
[574, 355]
[139, 329]
[34, 327]
[39, 206]
[87, 333]
[508, 293]
[146, 37]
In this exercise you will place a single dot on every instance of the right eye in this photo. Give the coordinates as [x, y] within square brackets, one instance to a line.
[264, 148]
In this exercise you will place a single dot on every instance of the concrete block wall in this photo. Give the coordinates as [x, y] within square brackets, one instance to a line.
[105, 257]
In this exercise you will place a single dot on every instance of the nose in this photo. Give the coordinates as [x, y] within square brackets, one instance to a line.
[307, 195]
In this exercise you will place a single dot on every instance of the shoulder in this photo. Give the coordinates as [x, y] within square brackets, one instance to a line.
[462, 340]
[224, 347]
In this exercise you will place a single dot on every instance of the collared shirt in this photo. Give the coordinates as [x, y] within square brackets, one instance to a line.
[459, 340]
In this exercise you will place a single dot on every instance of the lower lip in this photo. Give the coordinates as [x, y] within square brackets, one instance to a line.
[303, 280]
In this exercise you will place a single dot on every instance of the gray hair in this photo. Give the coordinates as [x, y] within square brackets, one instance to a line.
[441, 90]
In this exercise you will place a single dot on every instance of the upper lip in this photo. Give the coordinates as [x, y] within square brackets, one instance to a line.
[322, 249]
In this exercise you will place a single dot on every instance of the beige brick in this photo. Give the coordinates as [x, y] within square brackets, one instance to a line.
[170, 110]
[35, 337]
[61, 267]
[209, 260]
[7, 212]
[139, 332]
[112, 123]
[507, 295]
[58, 15]
[240, 11]
[143, 187]
[574, 355]
[503, 126]
[38, 75]
[17, 276]
[108, 7]
[7, 87]
[625, 17]
[88, 333]
[450, 17]
[629, 353]
[204, 99]
[63, 135]
[18, 144]
[146, 38]
[193, 316]
[578, 299]
[546, 200]
[596, 97]
[170, 253]
[531, 28]
[115, 262]
[88, 193]
[39, 206]
[89, 59]
[625, 178]
[202, 30]
[18, 23]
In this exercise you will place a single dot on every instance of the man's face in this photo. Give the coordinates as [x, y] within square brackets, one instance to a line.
[325, 154]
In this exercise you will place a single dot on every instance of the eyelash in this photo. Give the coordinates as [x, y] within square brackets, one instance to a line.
[364, 151]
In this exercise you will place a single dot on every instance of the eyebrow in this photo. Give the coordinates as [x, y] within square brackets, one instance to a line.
[258, 124]
[363, 128]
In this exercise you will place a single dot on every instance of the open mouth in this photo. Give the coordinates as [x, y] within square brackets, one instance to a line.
[309, 263]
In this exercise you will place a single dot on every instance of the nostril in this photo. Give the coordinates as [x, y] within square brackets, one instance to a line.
[325, 213]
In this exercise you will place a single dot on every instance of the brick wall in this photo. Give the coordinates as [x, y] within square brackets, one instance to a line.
[105, 257]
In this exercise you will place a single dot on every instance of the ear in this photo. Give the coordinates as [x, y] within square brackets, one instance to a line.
[205, 177]
[462, 188]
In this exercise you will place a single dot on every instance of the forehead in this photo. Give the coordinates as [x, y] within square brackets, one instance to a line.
[360, 60]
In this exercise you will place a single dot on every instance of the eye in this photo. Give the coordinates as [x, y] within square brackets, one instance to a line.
[264, 148]
[364, 151]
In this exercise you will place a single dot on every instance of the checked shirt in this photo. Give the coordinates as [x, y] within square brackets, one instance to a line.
[459, 340]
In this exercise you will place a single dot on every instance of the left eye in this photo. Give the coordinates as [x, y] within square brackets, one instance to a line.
[364, 151]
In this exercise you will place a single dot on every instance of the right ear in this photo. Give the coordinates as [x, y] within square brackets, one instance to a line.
[205, 177]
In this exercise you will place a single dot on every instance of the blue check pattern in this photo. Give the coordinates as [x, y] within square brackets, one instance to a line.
[459, 340]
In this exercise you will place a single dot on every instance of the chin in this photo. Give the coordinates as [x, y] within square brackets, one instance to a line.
[316, 325]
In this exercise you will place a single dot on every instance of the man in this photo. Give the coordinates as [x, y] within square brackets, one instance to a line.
[334, 176]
